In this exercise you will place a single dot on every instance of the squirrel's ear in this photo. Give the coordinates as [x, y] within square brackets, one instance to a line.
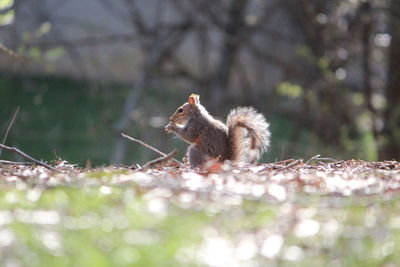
[194, 99]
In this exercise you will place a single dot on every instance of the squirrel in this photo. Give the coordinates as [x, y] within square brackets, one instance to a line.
[210, 139]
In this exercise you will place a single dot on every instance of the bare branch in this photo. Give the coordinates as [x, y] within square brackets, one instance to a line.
[292, 164]
[15, 162]
[158, 161]
[38, 162]
[9, 127]
[136, 17]
[149, 147]
[89, 41]
[8, 51]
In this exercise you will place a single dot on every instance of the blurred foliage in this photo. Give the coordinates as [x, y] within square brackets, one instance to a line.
[6, 17]
[74, 120]
[59, 117]
[6, 3]
[326, 93]
[289, 90]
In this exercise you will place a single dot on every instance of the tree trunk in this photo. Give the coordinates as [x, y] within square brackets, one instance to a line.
[229, 50]
[391, 133]
[153, 59]
[130, 104]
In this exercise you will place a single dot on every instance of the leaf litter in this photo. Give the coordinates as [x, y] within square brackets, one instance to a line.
[343, 212]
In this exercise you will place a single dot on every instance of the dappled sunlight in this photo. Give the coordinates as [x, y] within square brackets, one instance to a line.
[271, 246]
[306, 228]
[246, 248]
[7, 237]
[216, 251]
[52, 241]
[43, 217]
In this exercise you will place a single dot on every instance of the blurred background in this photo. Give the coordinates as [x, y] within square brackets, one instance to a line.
[325, 73]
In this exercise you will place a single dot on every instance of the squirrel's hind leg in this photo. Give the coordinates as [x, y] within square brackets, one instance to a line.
[195, 155]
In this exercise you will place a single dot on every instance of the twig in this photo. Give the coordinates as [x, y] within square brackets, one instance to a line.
[9, 127]
[329, 159]
[313, 158]
[285, 162]
[15, 162]
[318, 157]
[159, 160]
[8, 51]
[149, 147]
[38, 162]
[292, 164]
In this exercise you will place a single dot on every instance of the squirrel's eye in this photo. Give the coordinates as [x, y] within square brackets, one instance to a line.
[180, 110]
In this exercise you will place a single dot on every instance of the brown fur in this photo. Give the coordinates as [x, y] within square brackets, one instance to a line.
[211, 139]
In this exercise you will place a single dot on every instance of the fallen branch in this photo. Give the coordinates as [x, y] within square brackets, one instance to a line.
[284, 162]
[9, 127]
[150, 147]
[292, 164]
[159, 160]
[15, 162]
[9, 52]
[318, 158]
[38, 162]
[313, 158]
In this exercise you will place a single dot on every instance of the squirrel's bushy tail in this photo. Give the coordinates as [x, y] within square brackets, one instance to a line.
[258, 134]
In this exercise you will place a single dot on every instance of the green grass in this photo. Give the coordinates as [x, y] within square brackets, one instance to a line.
[86, 227]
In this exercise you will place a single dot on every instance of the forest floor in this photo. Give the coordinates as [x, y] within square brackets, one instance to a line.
[319, 213]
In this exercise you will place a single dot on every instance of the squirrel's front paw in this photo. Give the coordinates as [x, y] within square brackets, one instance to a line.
[170, 127]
